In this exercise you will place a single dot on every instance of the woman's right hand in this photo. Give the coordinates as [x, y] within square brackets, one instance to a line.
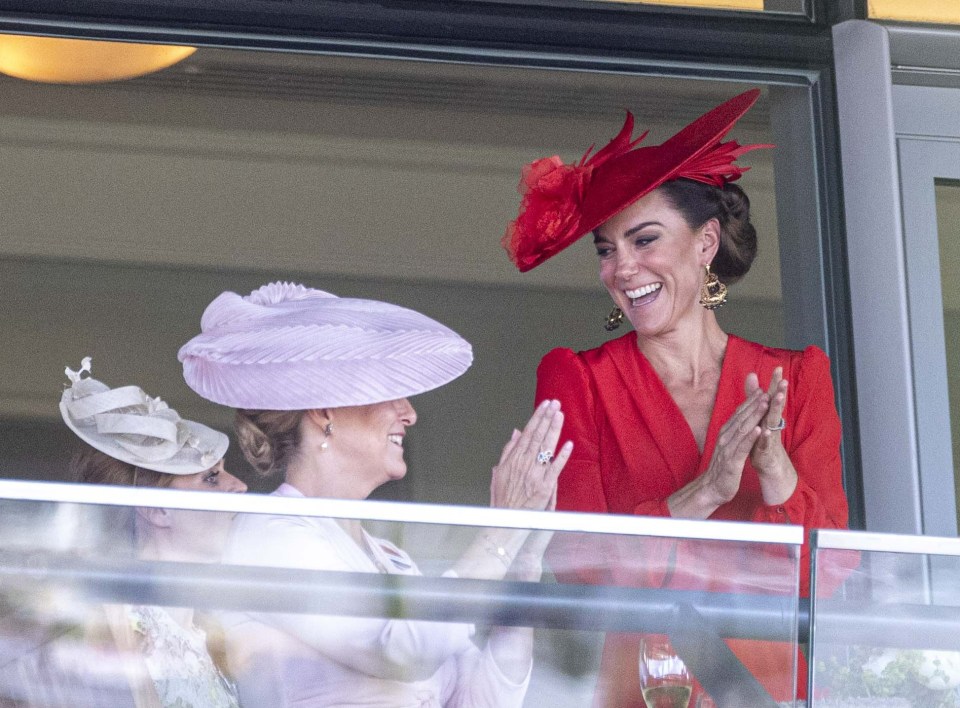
[522, 480]
[721, 480]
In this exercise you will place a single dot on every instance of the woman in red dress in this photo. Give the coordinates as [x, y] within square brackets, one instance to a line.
[679, 418]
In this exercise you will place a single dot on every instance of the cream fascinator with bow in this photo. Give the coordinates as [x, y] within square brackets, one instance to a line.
[128, 425]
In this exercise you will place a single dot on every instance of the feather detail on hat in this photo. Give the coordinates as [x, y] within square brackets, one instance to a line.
[717, 166]
[288, 347]
[562, 202]
[552, 193]
[621, 143]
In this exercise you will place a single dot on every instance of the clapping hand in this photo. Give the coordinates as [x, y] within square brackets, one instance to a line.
[524, 478]
[526, 475]
[768, 449]
[778, 478]
[737, 438]
[752, 431]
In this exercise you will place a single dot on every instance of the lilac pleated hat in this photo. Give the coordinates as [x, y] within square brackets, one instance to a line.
[289, 347]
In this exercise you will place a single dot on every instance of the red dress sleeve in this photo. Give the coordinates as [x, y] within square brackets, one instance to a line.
[819, 500]
[562, 376]
[643, 562]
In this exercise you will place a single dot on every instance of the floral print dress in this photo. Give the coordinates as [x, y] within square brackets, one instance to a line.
[179, 664]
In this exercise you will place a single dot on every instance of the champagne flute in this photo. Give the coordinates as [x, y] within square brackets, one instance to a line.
[664, 679]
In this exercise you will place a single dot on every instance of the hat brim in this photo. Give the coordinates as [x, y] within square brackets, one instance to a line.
[620, 182]
[304, 349]
[185, 462]
[306, 385]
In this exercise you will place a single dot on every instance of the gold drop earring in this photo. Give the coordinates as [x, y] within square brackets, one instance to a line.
[614, 319]
[713, 293]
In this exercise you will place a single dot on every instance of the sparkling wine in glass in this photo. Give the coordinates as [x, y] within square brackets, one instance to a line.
[664, 679]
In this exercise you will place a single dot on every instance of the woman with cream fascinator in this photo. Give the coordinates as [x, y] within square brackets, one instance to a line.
[132, 439]
[320, 384]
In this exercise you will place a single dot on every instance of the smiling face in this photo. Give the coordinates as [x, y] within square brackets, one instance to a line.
[368, 442]
[652, 264]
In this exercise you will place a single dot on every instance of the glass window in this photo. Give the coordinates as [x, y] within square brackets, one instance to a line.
[936, 11]
[947, 195]
[96, 604]
[889, 635]
[130, 205]
[929, 176]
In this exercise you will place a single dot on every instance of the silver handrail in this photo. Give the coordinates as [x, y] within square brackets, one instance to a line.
[623, 525]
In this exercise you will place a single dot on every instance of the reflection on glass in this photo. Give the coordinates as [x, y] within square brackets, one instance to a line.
[947, 195]
[60, 582]
[892, 638]
[81, 61]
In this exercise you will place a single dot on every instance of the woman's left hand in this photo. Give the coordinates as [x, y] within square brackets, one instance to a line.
[526, 476]
[778, 477]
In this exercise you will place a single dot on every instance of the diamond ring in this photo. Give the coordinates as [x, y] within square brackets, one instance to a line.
[544, 457]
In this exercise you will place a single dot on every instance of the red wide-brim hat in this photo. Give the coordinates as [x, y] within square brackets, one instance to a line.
[561, 202]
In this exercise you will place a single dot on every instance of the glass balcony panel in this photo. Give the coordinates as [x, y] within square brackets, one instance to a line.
[82, 591]
[890, 636]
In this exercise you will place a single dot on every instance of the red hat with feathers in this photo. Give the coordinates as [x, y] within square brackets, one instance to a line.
[562, 203]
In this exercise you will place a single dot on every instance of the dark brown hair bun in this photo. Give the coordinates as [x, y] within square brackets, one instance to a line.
[730, 206]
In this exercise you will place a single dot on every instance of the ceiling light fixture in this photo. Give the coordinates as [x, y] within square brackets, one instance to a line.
[83, 61]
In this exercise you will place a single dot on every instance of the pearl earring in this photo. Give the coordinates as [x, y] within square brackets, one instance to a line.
[327, 431]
